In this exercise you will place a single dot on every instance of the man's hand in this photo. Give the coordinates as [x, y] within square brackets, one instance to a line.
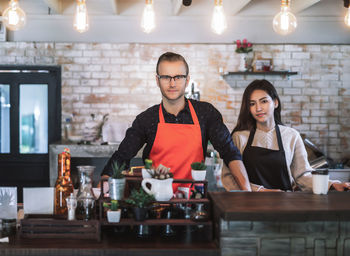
[239, 172]
[105, 184]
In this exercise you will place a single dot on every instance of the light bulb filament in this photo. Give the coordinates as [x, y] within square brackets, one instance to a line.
[13, 17]
[81, 23]
[218, 22]
[347, 18]
[148, 18]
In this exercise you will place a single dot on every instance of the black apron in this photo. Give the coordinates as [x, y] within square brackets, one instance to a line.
[267, 167]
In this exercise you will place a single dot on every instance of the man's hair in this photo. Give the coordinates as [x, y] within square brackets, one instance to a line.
[172, 57]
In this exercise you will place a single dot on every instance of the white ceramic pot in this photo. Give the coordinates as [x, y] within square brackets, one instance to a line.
[162, 190]
[113, 216]
[198, 174]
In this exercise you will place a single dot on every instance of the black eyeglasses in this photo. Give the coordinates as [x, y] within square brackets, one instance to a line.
[167, 79]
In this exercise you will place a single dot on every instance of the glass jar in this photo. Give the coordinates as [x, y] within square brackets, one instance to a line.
[85, 195]
[8, 227]
[199, 214]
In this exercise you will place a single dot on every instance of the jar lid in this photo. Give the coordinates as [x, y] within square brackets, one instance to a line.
[320, 171]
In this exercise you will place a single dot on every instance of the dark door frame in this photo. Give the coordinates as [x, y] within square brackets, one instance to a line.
[50, 75]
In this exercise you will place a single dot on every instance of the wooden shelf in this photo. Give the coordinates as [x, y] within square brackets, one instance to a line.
[157, 222]
[273, 73]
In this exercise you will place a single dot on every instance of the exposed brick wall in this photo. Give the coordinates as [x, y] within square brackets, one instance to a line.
[120, 79]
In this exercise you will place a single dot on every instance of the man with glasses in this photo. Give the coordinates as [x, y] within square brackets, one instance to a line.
[176, 132]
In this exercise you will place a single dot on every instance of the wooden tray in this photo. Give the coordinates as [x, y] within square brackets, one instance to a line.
[50, 226]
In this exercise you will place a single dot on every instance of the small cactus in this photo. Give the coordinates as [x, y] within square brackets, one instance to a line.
[113, 206]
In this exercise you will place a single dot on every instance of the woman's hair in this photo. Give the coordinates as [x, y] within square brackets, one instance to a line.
[245, 119]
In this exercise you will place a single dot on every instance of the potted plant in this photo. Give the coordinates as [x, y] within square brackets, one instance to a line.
[199, 170]
[147, 172]
[113, 214]
[116, 182]
[140, 200]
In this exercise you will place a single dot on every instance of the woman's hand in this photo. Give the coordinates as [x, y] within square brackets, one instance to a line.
[262, 189]
[345, 186]
[270, 190]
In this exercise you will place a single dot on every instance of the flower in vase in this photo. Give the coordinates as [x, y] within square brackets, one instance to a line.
[244, 46]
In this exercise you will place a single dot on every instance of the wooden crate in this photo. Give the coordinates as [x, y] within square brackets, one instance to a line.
[49, 226]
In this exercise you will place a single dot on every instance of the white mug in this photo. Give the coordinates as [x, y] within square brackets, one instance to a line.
[320, 179]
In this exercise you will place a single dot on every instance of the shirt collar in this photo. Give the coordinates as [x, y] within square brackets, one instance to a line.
[185, 109]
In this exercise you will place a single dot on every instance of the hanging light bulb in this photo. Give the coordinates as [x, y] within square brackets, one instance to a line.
[81, 21]
[218, 21]
[14, 17]
[148, 22]
[347, 16]
[284, 22]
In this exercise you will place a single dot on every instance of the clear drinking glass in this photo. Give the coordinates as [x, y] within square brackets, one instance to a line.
[85, 195]
[71, 205]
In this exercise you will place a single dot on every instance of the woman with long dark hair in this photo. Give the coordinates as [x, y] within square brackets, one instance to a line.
[274, 155]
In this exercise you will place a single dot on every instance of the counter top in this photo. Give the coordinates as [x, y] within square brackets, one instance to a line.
[123, 244]
[281, 206]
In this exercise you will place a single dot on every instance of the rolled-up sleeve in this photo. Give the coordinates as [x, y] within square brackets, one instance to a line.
[134, 140]
[221, 138]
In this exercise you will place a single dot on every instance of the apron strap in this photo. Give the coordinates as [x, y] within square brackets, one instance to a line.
[193, 114]
[251, 137]
[161, 117]
[279, 139]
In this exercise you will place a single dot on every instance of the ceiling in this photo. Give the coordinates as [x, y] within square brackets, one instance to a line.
[316, 8]
[319, 21]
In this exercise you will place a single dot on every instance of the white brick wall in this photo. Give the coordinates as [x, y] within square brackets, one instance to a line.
[119, 78]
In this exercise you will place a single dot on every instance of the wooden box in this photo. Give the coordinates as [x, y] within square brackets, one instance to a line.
[49, 226]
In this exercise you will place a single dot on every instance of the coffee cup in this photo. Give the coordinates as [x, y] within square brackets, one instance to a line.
[320, 178]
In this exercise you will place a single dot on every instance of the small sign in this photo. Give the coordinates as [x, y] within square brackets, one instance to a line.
[8, 202]
[38, 200]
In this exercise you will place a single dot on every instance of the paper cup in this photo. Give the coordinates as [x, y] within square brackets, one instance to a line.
[320, 178]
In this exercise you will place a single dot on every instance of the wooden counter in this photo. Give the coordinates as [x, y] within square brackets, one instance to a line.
[124, 243]
[297, 206]
[291, 223]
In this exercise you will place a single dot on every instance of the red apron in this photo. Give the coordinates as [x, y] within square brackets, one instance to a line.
[177, 146]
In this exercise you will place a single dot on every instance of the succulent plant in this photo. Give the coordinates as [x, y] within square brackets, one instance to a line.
[157, 174]
[199, 166]
[139, 198]
[117, 170]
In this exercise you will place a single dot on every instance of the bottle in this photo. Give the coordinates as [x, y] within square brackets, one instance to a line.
[67, 129]
[64, 184]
